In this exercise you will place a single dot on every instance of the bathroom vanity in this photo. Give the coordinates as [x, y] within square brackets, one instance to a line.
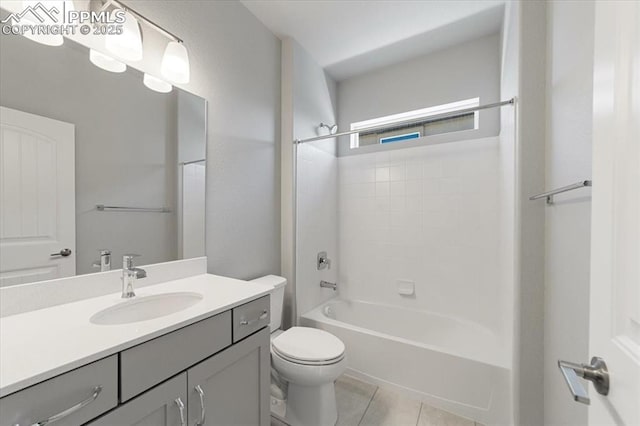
[207, 361]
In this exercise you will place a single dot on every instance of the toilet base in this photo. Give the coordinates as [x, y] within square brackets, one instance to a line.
[311, 405]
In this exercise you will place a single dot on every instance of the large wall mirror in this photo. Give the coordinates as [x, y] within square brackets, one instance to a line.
[92, 160]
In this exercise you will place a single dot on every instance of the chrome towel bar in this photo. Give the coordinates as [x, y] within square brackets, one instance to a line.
[549, 194]
[103, 208]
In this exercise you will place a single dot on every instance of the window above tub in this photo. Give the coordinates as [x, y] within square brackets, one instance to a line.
[396, 129]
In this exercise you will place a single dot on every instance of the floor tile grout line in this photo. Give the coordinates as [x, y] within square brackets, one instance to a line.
[419, 413]
[368, 405]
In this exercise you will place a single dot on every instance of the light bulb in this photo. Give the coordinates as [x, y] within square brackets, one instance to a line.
[175, 63]
[156, 84]
[106, 62]
[128, 44]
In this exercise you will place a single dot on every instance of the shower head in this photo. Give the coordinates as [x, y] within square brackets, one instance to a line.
[332, 128]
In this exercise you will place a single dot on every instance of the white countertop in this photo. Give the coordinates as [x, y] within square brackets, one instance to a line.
[41, 344]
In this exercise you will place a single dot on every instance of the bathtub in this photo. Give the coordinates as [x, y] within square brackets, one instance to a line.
[452, 364]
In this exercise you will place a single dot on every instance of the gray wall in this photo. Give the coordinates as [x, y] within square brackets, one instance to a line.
[508, 139]
[314, 99]
[125, 137]
[468, 70]
[570, 32]
[235, 65]
[529, 247]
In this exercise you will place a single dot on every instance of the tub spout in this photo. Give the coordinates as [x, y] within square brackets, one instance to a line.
[327, 284]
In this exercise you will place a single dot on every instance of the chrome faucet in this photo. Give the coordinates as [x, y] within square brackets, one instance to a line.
[322, 261]
[105, 261]
[129, 275]
[327, 284]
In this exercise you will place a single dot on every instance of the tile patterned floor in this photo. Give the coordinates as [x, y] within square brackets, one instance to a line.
[364, 404]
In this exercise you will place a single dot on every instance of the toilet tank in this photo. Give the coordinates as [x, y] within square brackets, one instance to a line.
[277, 297]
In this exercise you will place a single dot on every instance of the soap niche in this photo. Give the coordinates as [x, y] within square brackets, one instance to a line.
[406, 288]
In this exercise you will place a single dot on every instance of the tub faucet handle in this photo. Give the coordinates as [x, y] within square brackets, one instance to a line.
[323, 261]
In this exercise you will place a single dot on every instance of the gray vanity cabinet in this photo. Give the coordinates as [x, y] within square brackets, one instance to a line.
[69, 399]
[209, 373]
[152, 362]
[232, 388]
[164, 405]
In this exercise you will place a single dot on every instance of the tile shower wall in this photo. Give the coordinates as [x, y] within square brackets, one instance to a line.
[317, 218]
[428, 217]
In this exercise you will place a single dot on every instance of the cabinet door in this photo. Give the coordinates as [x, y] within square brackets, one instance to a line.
[232, 387]
[164, 405]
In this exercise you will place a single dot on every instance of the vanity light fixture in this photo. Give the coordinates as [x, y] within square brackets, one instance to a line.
[156, 84]
[128, 44]
[175, 62]
[106, 62]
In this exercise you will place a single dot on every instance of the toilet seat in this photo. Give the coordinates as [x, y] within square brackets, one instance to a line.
[308, 346]
[310, 363]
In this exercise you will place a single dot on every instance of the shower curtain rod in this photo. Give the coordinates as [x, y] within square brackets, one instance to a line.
[410, 121]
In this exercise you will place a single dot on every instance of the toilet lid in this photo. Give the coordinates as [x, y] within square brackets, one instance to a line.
[308, 344]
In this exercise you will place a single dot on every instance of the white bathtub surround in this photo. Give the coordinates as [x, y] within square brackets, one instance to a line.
[71, 340]
[422, 252]
[446, 362]
[429, 215]
[317, 219]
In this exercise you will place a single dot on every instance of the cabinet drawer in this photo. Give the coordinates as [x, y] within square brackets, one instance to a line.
[77, 396]
[152, 362]
[250, 317]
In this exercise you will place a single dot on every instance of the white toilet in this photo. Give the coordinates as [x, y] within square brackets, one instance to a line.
[309, 360]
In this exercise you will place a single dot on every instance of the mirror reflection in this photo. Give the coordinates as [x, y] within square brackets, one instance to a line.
[94, 165]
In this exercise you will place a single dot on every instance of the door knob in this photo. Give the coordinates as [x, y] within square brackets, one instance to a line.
[596, 373]
[64, 253]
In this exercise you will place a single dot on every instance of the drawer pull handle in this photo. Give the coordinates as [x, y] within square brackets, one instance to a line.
[94, 395]
[262, 316]
[180, 405]
[203, 412]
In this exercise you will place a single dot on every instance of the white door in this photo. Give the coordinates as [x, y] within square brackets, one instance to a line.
[615, 246]
[37, 198]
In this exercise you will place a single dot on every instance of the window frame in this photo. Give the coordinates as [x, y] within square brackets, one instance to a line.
[417, 114]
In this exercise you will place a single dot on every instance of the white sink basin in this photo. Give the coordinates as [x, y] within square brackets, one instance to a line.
[145, 308]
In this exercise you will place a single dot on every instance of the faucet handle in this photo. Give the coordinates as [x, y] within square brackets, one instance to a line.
[104, 261]
[322, 261]
[127, 260]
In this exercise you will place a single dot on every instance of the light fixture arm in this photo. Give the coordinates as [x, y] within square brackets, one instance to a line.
[141, 18]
